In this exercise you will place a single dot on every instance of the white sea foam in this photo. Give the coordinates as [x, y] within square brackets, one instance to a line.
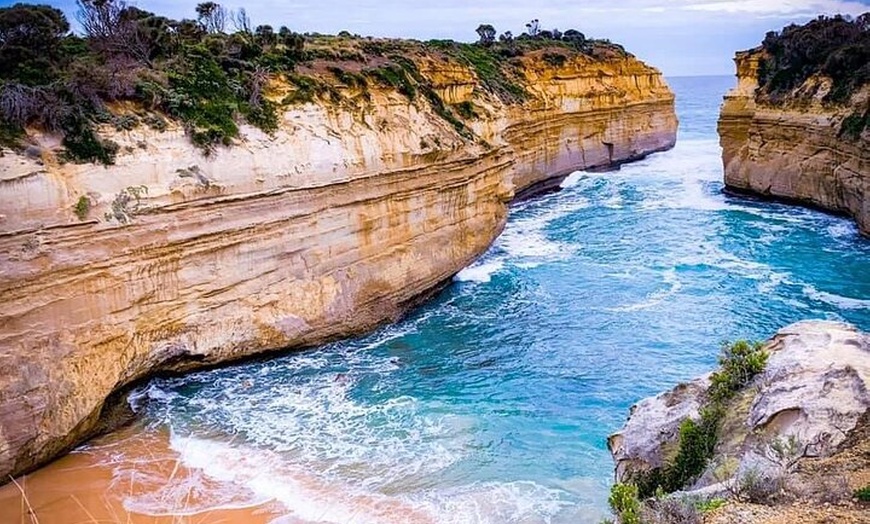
[498, 502]
[682, 177]
[526, 238]
[834, 299]
[710, 253]
[673, 286]
[770, 281]
[316, 421]
[150, 392]
[572, 179]
[226, 475]
[480, 272]
[530, 243]
[843, 230]
[266, 476]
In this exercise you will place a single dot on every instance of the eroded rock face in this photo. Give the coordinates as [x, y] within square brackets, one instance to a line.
[338, 222]
[652, 430]
[795, 150]
[815, 388]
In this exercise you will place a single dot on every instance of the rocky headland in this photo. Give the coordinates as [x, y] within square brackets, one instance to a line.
[792, 436]
[389, 168]
[797, 126]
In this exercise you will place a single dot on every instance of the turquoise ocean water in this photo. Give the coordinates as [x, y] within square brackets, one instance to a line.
[492, 402]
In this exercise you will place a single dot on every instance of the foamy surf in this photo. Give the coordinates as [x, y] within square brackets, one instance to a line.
[672, 287]
[222, 471]
[201, 476]
[572, 179]
[480, 273]
[834, 299]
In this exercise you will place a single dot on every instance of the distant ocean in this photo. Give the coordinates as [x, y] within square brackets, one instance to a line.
[492, 403]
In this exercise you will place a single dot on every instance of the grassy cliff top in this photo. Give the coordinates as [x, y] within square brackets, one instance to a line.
[210, 77]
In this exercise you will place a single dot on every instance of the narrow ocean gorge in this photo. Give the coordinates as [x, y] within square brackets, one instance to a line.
[492, 403]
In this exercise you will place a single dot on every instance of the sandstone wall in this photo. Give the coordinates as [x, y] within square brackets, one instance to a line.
[337, 223]
[793, 150]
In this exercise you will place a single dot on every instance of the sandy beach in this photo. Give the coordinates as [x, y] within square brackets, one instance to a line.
[134, 476]
[91, 485]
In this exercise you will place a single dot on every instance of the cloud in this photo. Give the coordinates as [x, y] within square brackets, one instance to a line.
[780, 7]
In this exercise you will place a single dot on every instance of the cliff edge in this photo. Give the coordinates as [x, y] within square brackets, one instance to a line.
[797, 126]
[390, 168]
[788, 442]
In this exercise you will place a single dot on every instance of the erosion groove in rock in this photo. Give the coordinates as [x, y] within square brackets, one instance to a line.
[331, 226]
[795, 150]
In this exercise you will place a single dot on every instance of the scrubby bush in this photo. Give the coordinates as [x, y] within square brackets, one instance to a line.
[555, 59]
[625, 504]
[706, 506]
[739, 363]
[853, 126]
[836, 47]
[759, 486]
[863, 494]
[191, 70]
[126, 204]
[31, 52]
[671, 510]
[824, 489]
[82, 145]
[82, 208]
[466, 110]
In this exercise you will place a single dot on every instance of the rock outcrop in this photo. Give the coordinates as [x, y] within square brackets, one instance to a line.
[814, 392]
[345, 217]
[795, 150]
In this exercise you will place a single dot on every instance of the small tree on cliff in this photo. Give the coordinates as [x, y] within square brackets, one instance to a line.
[533, 28]
[30, 42]
[486, 33]
[212, 16]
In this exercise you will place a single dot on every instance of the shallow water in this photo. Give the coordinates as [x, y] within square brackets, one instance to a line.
[492, 403]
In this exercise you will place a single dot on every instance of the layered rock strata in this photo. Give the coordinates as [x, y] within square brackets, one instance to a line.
[170, 260]
[796, 150]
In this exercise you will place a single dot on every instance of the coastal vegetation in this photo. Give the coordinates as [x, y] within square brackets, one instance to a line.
[739, 363]
[837, 48]
[214, 71]
[645, 491]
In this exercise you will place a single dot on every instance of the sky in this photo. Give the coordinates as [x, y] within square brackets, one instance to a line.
[680, 37]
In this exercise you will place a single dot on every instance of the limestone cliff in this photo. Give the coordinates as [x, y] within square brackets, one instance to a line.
[795, 149]
[343, 218]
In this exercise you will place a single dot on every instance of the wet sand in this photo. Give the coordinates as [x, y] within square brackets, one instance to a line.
[84, 487]
[105, 481]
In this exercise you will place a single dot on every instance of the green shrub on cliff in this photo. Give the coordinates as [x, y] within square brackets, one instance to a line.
[836, 47]
[191, 70]
[492, 69]
[854, 125]
[625, 503]
[739, 363]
